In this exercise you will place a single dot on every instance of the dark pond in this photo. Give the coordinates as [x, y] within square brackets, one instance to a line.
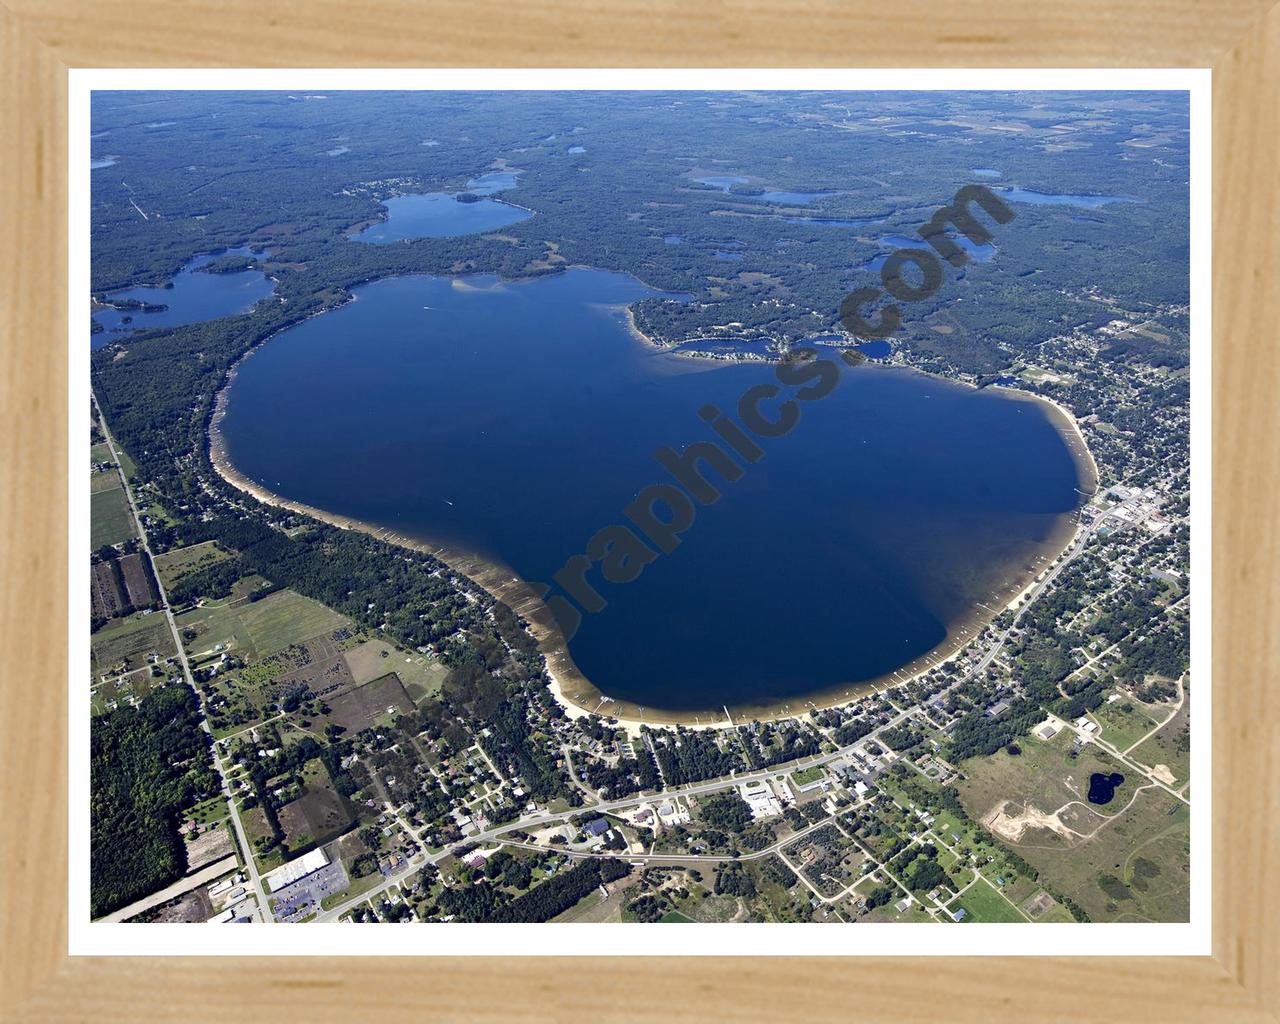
[516, 419]
[193, 295]
[1102, 787]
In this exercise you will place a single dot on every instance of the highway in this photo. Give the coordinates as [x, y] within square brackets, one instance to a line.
[218, 762]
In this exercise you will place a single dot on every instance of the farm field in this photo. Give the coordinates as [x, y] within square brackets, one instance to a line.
[107, 480]
[109, 519]
[422, 676]
[174, 565]
[130, 641]
[259, 628]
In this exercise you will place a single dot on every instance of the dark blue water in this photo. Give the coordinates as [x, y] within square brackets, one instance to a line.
[440, 215]
[516, 419]
[727, 254]
[195, 295]
[875, 349]
[1102, 787]
[1022, 195]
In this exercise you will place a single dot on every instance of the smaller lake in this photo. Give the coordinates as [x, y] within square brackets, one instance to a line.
[441, 215]
[834, 222]
[1102, 787]
[493, 182]
[193, 295]
[980, 253]
[727, 254]
[673, 240]
[723, 182]
[1024, 195]
[793, 198]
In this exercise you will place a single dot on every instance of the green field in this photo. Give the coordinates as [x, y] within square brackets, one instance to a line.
[130, 640]
[260, 628]
[1125, 861]
[107, 480]
[174, 565]
[982, 904]
[109, 518]
[1170, 746]
[1123, 728]
[807, 775]
[422, 676]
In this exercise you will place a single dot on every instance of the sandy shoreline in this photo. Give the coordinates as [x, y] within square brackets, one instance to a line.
[577, 694]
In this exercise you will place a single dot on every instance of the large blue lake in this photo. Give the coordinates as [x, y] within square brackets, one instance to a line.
[193, 295]
[515, 419]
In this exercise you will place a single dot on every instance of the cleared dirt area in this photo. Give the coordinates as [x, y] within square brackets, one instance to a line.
[364, 706]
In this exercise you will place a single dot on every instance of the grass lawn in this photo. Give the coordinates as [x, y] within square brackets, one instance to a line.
[675, 917]
[355, 887]
[807, 775]
[174, 565]
[984, 905]
[109, 519]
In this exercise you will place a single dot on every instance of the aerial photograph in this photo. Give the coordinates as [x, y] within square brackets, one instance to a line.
[639, 507]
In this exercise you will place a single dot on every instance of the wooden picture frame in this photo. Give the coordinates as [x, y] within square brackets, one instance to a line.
[42, 39]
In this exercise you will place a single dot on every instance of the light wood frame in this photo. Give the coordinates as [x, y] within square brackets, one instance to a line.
[41, 39]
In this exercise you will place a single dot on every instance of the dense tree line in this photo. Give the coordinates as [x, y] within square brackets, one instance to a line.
[146, 763]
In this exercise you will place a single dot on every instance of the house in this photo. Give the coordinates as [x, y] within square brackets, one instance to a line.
[596, 828]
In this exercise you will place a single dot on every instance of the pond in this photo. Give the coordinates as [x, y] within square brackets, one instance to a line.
[191, 296]
[1103, 786]
[515, 419]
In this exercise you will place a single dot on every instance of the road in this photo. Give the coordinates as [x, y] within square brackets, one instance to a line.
[542, 819]
[218, 762]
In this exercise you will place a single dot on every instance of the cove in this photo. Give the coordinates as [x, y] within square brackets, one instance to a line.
[193, 295]
[513, 419]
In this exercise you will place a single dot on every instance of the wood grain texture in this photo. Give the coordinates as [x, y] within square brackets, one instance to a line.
[39, 39]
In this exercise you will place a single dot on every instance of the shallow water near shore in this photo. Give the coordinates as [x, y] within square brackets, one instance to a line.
[512, 420]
